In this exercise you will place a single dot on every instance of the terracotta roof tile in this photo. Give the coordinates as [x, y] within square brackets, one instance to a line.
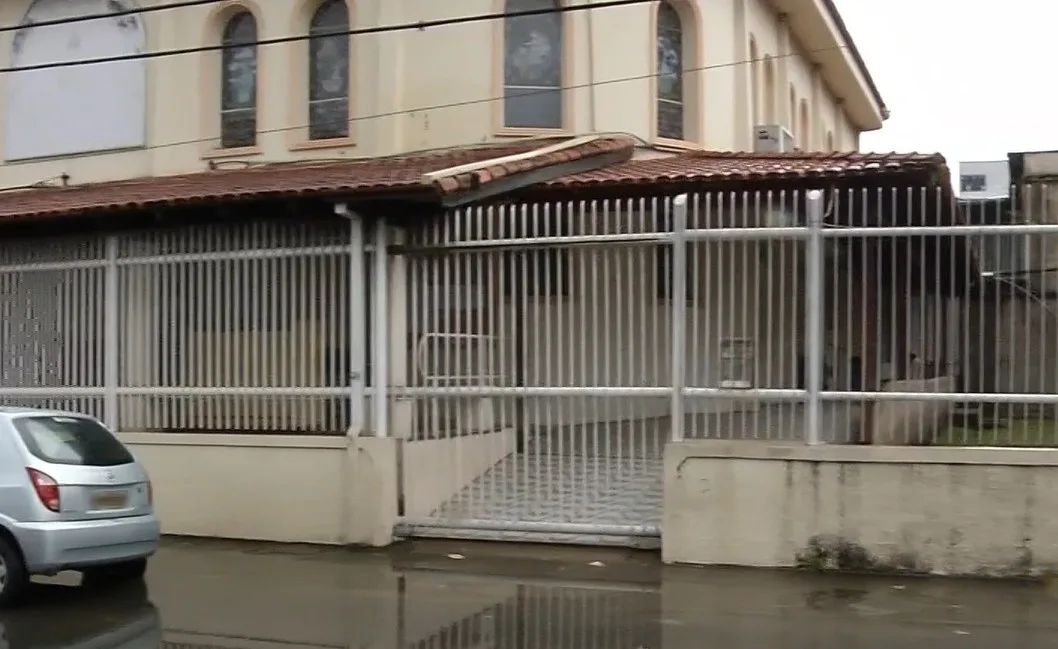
[716, 167]
[599, 147]
[394, 176]
[403, 175]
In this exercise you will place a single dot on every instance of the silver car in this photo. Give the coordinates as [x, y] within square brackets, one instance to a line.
[72, 497]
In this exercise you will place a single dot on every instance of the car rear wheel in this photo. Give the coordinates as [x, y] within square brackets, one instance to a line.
[13, 576]
[116, 573]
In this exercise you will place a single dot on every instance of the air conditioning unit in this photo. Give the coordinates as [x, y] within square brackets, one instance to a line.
[772, 138]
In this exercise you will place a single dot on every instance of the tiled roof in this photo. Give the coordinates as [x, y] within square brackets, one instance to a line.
[403, 176]
[393, 176]
[721, 167]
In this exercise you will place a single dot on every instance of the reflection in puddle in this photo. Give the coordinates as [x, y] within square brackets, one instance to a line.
[551, 617]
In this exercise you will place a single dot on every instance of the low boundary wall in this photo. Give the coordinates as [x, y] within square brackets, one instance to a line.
[283, 488]
[945, 511]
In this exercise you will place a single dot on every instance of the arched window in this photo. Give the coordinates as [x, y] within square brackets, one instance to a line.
[238, 79]
[670, 73]
[532, 66]
[769, 90]
[754, 81]
[329, 71]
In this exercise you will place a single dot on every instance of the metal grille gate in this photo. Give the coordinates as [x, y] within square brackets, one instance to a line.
[536, 404]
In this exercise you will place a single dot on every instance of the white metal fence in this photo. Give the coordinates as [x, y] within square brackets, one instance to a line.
[222, 328]
[553, 358]
[563, 313]
[532, 355]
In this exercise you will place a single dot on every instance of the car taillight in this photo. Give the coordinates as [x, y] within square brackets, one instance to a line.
[47, 489]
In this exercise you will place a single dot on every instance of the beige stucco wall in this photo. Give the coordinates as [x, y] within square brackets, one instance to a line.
[401, 72]
[296, 489]
[953, 511]
[795, 68]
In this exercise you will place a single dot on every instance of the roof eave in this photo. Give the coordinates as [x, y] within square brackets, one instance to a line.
[820, 27]
[880, 110]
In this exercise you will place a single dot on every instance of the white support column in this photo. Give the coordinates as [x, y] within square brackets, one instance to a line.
[679, 314]
[814, 316]
[357, 322]
[380, 331]
[111, 313]
[400, 421]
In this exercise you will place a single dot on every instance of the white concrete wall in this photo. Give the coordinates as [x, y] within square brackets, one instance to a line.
[74, 110]
[175, 121]
[435, 470]
[292, 489]
[997, 178]
[950, 511]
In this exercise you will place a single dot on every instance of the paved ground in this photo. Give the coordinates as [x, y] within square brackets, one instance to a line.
[468, 596]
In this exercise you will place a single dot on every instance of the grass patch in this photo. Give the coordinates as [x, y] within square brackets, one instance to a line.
[1014, 432]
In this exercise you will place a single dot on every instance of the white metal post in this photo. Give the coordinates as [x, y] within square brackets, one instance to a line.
[380, 332]
[679, 312]
[357, 322]
[401, 410]
[111, 340]
[813, 315]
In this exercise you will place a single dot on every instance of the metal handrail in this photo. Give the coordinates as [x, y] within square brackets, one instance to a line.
[421, 361]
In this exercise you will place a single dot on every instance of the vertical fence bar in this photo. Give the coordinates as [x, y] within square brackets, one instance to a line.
[679, 312]
[813, 315]
[111, 313]
[357, 322]
[380, 332]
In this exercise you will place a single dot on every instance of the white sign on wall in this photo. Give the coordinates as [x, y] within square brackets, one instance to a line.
[76, 109]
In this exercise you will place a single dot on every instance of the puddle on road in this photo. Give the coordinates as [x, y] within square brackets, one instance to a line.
[217, 597]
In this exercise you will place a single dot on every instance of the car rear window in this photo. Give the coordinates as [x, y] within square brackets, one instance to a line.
[71, 440]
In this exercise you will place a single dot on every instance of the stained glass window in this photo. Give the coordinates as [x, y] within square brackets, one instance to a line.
[670, 73]
[532, 70]
[238, 121]
[329, 71]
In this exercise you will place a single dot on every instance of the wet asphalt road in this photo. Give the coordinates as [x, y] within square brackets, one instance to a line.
[212, 595]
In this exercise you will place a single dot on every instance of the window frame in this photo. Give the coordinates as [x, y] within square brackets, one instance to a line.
[983, 178]
[500, 76]
[666, 8]
[692, 78]
[310, 60]
[226, 29]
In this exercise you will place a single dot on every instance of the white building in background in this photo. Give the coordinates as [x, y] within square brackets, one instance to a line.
[984, 179]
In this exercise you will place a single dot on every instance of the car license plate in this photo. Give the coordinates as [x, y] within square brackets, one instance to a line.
[110, 499]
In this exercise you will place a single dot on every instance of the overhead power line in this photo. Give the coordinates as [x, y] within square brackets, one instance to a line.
[110, 14]
[363, 31]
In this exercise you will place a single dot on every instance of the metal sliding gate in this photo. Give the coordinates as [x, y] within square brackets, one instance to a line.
[554, 349]
[539, 373]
